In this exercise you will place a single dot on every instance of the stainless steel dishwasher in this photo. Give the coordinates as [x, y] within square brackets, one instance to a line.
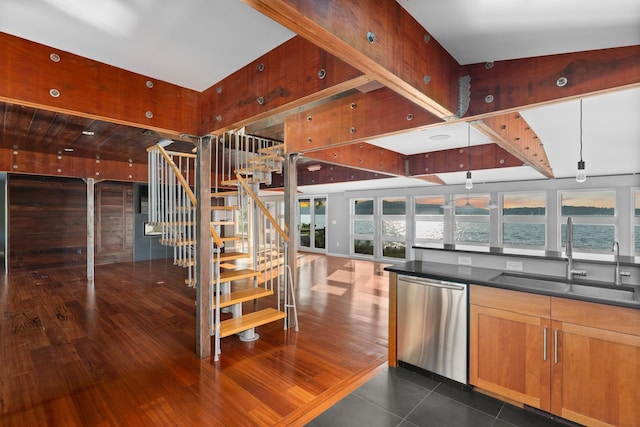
[432, 326]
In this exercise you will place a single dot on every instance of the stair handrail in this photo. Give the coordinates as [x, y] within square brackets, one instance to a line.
[178, 173]
[185, 185]
[263, 208]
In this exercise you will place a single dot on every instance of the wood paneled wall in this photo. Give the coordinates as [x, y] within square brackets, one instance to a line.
[48, 222]
[114, 222]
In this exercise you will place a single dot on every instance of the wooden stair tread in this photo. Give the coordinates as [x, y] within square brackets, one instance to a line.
[251, 320]
[223, 222]
[250, 181]
[224, 208]
[224, 193]
[274, 157]
[271, 148]
[227, 256]
[243, 295]
[230, 275]
[257, 169]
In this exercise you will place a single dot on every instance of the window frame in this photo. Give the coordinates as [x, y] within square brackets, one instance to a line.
[473, 219]
[353, 236]
[393, 217]
[523, 219]
[432, 218]
[580, 220]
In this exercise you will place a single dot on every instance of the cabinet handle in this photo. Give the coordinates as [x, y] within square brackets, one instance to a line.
[544, 338]
[555, 346]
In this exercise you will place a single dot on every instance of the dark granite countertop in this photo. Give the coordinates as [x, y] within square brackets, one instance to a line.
[625, 260]
[483, 276]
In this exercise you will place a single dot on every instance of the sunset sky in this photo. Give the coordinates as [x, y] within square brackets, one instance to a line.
[598, 199]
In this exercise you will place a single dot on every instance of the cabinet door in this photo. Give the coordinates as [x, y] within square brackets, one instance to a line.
[509, 355]
[596, 380]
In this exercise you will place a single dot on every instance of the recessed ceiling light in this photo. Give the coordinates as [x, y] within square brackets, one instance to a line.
[68, 150]
[88, 132]
[440, 137]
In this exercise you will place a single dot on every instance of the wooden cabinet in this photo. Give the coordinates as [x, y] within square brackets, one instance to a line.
[596, 374]
[507, 345]
[575, 359]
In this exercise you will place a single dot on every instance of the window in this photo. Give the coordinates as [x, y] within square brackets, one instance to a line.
[362, 224]
[524, 219]
[636, 221]
[429, 217]
[472, 219]
[394, 222]
[593, 214]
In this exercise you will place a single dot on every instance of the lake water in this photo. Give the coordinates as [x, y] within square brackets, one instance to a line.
[590, 237]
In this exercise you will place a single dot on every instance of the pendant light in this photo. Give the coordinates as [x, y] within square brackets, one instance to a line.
[468, 183]
[581, 176]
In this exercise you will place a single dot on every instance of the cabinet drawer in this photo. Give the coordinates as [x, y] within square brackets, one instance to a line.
[504, 299]
[601, 316]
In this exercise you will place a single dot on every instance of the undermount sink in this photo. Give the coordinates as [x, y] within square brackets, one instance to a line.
[621, 293]
[560, 285]
[531, 282]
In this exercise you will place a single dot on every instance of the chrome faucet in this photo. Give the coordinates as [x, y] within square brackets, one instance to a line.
[569, 244]
[617, 274]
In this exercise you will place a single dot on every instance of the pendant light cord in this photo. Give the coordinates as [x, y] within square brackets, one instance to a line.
[469, 147]
[580, 129]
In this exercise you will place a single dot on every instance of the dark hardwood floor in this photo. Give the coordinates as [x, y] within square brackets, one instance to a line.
[123, 351]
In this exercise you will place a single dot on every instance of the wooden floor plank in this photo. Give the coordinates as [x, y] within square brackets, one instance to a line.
[122, 352]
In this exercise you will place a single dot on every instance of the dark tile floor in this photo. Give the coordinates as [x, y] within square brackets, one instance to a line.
[401, 397]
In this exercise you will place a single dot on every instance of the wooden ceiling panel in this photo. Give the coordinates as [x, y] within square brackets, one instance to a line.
[363, 156]
[512, 132]
[354, 118]
[486, 156]
[35, 130]
[519, 83]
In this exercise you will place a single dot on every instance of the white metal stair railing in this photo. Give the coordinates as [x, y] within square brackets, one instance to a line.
[270, 247]
[245, 161]
[172, 204]
[253, 157]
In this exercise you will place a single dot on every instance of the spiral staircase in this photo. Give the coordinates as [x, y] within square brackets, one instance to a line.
[251, 280]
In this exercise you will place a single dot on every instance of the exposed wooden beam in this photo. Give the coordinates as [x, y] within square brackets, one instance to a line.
[519, 83]
[379, 38]
[328, 173]
[363, 156]
[486, 156]
[512, 132]
[44, 77]
[32, 162]
[294, 74]
[354, 118]
[433, 179]
[334, 173]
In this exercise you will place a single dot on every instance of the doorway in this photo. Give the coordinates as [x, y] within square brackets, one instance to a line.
[312, 224]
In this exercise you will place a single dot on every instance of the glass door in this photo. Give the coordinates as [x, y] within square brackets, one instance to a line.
[312, 223]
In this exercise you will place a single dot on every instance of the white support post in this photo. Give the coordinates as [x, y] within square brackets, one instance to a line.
[91, 185]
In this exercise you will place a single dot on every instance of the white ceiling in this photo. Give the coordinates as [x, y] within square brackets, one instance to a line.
[196, 43]
[190, 43]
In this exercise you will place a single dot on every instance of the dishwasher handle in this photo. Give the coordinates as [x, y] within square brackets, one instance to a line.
[433, 283]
